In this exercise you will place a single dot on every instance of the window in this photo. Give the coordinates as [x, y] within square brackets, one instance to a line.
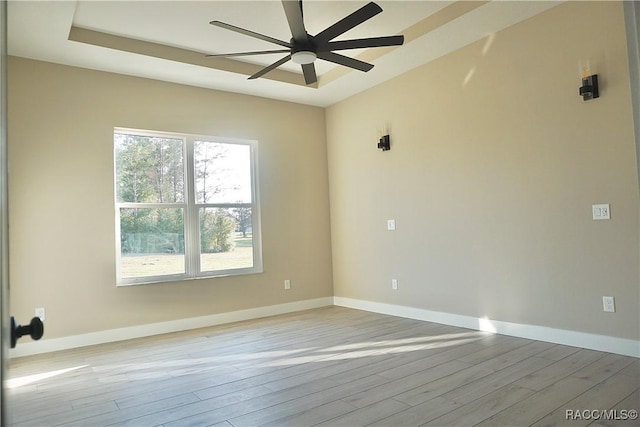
[186, 207]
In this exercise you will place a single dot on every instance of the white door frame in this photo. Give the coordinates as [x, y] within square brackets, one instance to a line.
[632, 24]
[4, 255]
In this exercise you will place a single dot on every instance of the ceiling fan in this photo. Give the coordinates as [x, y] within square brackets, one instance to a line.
[304, 49]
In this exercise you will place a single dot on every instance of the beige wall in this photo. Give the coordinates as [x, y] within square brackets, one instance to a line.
[494, 166]
[62, 247]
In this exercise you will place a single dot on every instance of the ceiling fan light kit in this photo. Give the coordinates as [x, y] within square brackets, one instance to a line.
[303, 57]
[304, 49]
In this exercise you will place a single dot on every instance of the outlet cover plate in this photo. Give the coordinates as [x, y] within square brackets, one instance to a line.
[608, 304]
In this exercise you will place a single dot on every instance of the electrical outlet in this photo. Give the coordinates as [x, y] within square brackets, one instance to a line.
[40, 313]
[287, 284]
[608, 304]
[394, 284]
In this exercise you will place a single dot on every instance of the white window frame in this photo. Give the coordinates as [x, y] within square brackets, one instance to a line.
[191, 212]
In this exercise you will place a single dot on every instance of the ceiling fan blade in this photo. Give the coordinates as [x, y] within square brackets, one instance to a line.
[249, 33]
[270, 67]
[362, 43]
[293, 10]
[309, 71]
[261, 52]
[358, 17]
[345, 60]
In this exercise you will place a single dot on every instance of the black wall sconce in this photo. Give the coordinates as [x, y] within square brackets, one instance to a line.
[385, 143]
[589, 89]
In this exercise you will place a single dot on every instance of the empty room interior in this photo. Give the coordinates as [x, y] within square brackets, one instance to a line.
[323, 213]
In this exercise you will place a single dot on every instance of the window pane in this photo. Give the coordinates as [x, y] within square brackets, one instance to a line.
[226, 238]
[222, 172]
[149, 169]
[151, 242]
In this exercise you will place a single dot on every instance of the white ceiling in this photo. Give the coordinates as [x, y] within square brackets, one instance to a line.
[40, 30]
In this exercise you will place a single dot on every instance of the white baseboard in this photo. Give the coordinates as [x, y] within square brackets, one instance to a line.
[609, 344]
[112, 335]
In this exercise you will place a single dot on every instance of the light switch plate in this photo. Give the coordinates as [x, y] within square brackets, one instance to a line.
[608, 304]
[391, 224]
[601, 211]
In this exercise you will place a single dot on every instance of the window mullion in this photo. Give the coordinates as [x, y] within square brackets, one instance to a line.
[192, 223]
[255, 209]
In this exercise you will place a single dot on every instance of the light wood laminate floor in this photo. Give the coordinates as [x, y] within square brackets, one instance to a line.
[331, 367]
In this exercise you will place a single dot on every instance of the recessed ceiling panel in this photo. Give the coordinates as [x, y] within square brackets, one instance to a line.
[40, 30]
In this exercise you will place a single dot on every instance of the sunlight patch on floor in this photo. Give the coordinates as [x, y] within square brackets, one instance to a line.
[377, 348]
[30, 379]
[192, 364]
[149, 370]
[404, 341]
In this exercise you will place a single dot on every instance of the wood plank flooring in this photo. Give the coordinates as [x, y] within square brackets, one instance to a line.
[328, 367]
